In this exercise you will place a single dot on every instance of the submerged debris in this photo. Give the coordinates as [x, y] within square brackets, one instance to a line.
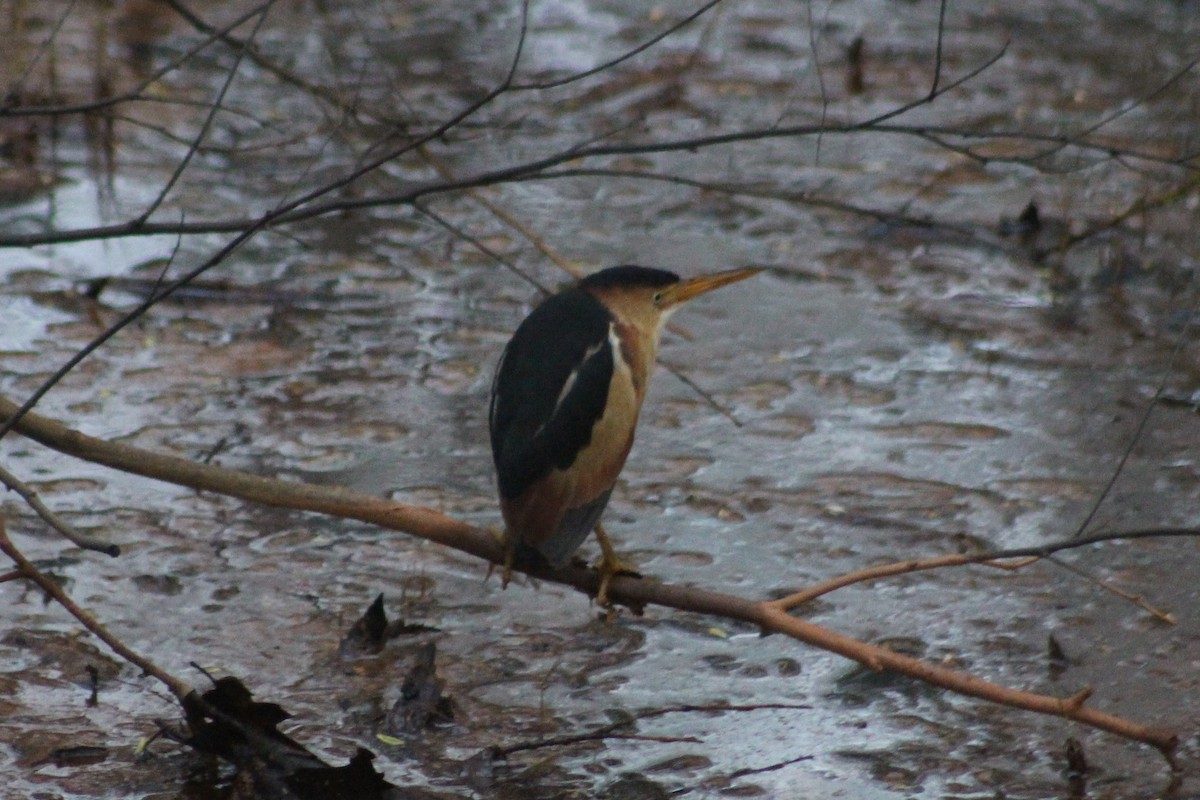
[421, 701]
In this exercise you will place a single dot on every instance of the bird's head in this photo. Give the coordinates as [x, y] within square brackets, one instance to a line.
[650, 295]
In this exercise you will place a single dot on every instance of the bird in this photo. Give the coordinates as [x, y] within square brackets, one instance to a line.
[565, 401]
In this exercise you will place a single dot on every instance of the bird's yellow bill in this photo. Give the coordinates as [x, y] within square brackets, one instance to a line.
[694, 287]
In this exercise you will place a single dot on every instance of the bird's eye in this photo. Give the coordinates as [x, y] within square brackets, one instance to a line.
[657, 298]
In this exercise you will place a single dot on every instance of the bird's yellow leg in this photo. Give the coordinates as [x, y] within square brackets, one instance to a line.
[610, 565]
[510, 550]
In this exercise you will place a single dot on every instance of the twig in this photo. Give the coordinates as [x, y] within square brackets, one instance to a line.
[532, 170]
[1018, 558]
[937, 62]
[1125, 109]
[134, 94]
[766, 192]
[54, 520]
[17, 86]
[1108, 586]
[1119, 469]
[797, 599]
[1141, 205]
[213, 109]
[502, 214]
[628, 54]
[479, 245]
[816, 60]
[706, 396]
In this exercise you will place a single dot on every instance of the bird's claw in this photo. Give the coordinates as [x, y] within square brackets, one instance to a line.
[609, 566]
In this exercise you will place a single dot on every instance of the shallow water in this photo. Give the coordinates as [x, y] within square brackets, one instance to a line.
[899, 390]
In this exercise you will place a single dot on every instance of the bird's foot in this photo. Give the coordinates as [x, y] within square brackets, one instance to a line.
[609, 566]
[510, 550]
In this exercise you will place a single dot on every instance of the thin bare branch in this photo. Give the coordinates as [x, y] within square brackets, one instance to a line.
[537, 168]
[866, 574]
[51, 587]
[628, 54]
[1110, 587]
[136, 93]
[1158, 90]
[52, 519]
[247, 233]
[937, 61]
[1143, 421]
[475, 242]
[214, 108]
[998, 559]
[824, 92]
[17, 88]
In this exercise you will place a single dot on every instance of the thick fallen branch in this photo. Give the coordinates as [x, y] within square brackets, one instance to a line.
[436, 527]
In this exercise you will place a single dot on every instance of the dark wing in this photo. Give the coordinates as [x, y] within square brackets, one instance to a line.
[551, 387]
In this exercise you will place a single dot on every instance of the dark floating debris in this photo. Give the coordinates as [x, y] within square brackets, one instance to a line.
[368, 634]
[371, 631]
[1057, 658]
[228, 723]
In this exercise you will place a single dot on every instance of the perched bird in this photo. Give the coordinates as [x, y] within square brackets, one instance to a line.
[565, 403]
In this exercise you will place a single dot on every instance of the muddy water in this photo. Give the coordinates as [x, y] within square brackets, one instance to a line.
[899, 390]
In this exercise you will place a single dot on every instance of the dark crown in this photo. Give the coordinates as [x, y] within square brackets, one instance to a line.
[629, 275]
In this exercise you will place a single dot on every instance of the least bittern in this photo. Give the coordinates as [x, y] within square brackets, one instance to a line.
[565, 404]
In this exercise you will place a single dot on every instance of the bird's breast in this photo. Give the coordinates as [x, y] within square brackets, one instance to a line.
[599, 463]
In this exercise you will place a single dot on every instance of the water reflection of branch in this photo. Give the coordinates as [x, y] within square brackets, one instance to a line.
[426, 523]
[599, 735]
[611, 730]
[778, 765]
